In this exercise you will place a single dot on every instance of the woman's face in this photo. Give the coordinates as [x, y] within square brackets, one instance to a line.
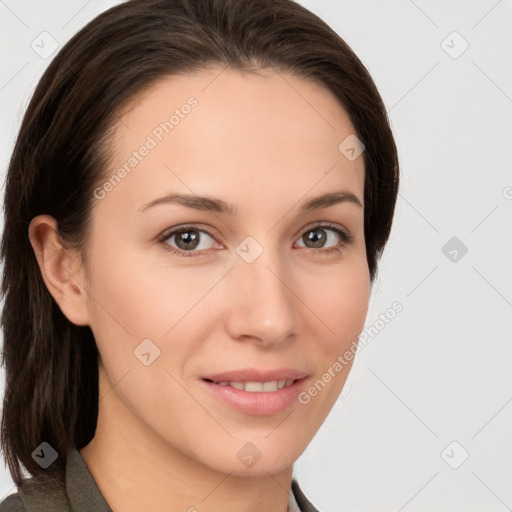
[267, 286]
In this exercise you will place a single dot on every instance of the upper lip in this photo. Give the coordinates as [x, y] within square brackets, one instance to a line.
[255, 375]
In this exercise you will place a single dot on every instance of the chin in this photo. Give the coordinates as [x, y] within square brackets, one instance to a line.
[250, 460]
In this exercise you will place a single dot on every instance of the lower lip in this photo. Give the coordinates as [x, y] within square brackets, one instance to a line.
[258, 402]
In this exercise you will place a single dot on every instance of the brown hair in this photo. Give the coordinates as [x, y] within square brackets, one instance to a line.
[61, 154]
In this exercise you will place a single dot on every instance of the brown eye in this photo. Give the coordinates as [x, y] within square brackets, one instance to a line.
[187, 240]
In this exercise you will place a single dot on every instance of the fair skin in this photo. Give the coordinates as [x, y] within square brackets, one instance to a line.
[264, 143]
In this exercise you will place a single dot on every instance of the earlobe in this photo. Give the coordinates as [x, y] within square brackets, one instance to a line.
[60, 269]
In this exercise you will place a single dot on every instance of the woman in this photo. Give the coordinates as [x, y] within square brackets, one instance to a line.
[194, 211]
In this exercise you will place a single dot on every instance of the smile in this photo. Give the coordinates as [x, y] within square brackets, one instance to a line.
[272, 385]
[259, 398]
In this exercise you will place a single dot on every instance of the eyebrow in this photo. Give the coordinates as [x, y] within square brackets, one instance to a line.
[212, 204]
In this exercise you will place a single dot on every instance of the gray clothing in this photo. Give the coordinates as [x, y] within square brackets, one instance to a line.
[79, 493]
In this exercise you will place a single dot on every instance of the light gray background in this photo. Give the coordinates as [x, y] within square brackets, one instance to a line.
[440, 371]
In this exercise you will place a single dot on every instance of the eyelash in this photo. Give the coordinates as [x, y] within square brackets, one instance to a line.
[346, 238]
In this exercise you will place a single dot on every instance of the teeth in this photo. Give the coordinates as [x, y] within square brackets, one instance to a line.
[258, 386]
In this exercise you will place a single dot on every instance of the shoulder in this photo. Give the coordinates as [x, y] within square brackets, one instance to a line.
[36, 496]
[304, 504]
[12, 503]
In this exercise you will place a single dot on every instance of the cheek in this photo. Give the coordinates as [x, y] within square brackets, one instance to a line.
[347, 305]
[341, 304]
[339, 300]
[137, 298]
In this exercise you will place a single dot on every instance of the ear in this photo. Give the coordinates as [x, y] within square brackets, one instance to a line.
[61, 269]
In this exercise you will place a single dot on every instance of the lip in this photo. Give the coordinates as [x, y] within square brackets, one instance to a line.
[263, 403]
[255, 375]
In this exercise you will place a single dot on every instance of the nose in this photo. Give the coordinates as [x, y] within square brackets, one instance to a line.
[263, 304]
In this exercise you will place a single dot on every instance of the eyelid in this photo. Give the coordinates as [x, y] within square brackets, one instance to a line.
[184, 227]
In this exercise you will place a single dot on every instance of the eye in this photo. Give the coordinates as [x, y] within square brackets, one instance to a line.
[188, 240]
[318, 236]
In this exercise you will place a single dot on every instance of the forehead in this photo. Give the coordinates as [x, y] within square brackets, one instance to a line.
[216, 131]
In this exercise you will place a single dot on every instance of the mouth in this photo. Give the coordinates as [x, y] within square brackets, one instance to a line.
[256, 380]
[265, 397]
[255, 387]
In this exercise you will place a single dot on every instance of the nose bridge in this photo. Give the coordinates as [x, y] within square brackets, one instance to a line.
[264, 305]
